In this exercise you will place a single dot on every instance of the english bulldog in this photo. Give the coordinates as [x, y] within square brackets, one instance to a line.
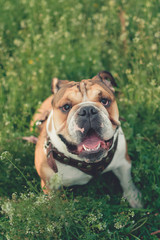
[81, 137]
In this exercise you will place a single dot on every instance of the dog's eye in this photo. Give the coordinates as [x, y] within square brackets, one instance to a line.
[106, 102]
[66, 107]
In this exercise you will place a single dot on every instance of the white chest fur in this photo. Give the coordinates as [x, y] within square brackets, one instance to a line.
[72, 176]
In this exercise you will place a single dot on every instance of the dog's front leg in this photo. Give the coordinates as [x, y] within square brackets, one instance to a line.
[131, 193]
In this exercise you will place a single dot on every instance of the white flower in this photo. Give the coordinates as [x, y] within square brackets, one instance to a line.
[157, 34]
[154, 46]
[50, 228]
[149, 64]
[8, 209]
[40, 200]
[63, 57]
[17, 42]
[128, 71]
[136, 40]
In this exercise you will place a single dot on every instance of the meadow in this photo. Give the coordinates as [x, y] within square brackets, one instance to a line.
[74, 40]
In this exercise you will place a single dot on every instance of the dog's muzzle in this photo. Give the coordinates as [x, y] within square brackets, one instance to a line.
[91, 131]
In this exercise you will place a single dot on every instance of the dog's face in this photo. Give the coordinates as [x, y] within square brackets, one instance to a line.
[85, 115]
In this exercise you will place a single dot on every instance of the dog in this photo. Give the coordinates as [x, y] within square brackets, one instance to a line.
[81, 137]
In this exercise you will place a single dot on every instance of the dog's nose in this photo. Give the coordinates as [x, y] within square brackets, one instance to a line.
[87, 111]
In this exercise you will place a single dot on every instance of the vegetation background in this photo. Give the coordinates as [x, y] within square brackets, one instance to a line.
[75, 40]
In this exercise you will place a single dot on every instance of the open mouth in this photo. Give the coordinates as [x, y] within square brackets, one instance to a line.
[93, 143]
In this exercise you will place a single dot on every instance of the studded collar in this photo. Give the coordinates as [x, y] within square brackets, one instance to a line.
[92, 169]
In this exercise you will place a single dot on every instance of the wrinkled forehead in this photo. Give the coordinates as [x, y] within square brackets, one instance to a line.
[85, 90]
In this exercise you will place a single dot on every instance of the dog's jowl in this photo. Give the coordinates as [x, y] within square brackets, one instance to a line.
[81, 137]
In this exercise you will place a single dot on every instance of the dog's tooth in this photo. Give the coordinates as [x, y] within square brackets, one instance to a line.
[98, 146]
[84, 147]
[91, 149]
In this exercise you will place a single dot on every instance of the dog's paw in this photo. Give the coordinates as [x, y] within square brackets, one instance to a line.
[134, 198]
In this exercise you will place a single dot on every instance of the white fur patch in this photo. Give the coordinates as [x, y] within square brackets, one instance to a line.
[56, 141]
[72, 176]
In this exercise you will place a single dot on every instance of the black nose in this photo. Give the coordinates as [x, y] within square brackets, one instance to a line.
[87, 111]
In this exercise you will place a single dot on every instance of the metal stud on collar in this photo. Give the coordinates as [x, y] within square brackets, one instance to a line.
[66, 160]
[49, 152]
[89, 167]
[80, 164]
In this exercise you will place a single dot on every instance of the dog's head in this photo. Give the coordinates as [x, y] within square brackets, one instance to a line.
[85, 115]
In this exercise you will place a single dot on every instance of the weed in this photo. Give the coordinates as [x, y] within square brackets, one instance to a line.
[75, 40]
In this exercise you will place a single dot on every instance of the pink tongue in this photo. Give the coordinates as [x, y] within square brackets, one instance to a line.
[91, 141]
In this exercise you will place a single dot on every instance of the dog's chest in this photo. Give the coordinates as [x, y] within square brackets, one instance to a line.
[71, 176]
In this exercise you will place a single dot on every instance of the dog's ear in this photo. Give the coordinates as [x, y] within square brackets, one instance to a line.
[108, 79]
[56, 84]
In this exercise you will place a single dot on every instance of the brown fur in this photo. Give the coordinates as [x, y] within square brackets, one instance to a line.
[41, 164]
[126, 155]
[70, 93]
[91, 91]
[42, 113]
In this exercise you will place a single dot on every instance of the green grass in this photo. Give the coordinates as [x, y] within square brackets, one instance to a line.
[75, 40]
